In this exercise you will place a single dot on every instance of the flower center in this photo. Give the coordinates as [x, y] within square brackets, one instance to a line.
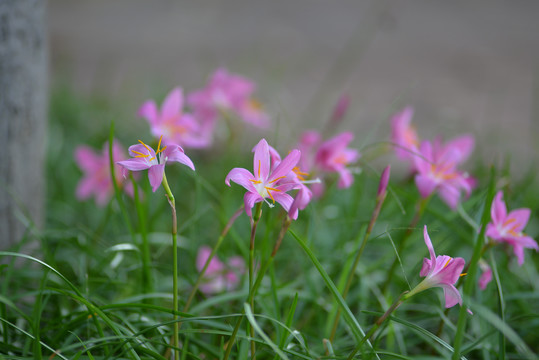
[157, 156]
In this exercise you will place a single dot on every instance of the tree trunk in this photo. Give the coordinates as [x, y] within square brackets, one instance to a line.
[23, 116]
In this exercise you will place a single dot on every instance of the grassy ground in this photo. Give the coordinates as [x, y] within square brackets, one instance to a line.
[83, 293]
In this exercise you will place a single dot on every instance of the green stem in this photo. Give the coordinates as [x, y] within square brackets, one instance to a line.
[377, 208]
[469, 282]
[147, 283]
[378, 323]
[174, 232]
[419, 213]
[254, 224]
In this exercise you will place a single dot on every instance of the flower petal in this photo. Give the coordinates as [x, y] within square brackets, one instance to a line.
[425, 185]
[173, 103]
[137, 149]
[261, 163]
[450, 195]
[135, 164]
[284, 199]
[87, 159]
[241, 177]
[286, 165]
[428, 242]
[520, 218]
[155, 174]
[249, 200]
[452, 296]
[498, 211]
[176, 153]
[149, 111]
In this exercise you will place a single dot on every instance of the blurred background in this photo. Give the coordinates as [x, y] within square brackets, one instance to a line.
[466, 67]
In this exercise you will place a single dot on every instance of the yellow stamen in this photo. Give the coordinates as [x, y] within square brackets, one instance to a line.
[139, 154]
[463, 274]
[146, 146]
[255, 181]
[259, 164]
[274, 180]
[269, 192]
[159, 144]
[447, 263]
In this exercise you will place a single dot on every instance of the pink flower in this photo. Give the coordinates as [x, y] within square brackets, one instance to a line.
[436, 167]
[230, 93]
[269, 180]
[219, 276]
[340, 109]
[384, 181]
[96, 168]
[334, 156]
[403, 134]
[508, 228]
[144, 157]
[486, 275]
[440, 271]
[173, 124]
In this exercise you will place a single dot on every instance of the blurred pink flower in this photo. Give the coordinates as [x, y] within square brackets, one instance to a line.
[144, 157]
[96, 180]
[340, 110]
[226, 92]
[334, 156]
[436, 167]
[440, 271]
[403, 134]
[384, 181]
[486, 275]
[507, 227]
[270, 180]
[173, 124]
[219, 276]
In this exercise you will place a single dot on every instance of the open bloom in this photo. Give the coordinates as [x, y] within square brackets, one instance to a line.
[334, 156]
[440, 271]
[507, 227]
[96, 168]
[436, 167]
[403, 134]
[228, 93]
[219, 276]
[144, 157]
[268, 181]
[173, 124]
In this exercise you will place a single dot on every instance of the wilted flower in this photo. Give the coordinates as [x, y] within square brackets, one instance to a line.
[96, 168]
[173, 124]
[144, 157]
[440, 271]
[268, 181]
[229, 93]
[219, 276]
[436, 167]
[507, 227]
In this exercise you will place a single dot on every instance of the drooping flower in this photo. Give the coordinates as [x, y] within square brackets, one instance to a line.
[340, 110]
[176, 126]
[96, 180]
[229, 93]
[436, 166]
[144, 157]
[219, 276]
[268, 181]
[403, 134]
[507, 227]
[440, 271]
[486, 275]
[335, 156]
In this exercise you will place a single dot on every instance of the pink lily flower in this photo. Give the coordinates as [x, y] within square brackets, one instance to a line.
[404, 134]
[507, 227]
[96, 180]
[219, 276]
[268, 180]
[486, 276]
[173, 124]
[436, 167]
[334, 156]
[144, 157]
[230, 93]
[440, 271]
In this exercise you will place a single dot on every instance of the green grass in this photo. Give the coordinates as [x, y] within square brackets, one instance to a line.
[81, 293]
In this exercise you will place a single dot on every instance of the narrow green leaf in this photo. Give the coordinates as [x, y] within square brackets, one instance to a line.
[256, 327]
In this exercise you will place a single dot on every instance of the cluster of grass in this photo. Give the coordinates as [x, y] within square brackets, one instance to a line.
[82, 292]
